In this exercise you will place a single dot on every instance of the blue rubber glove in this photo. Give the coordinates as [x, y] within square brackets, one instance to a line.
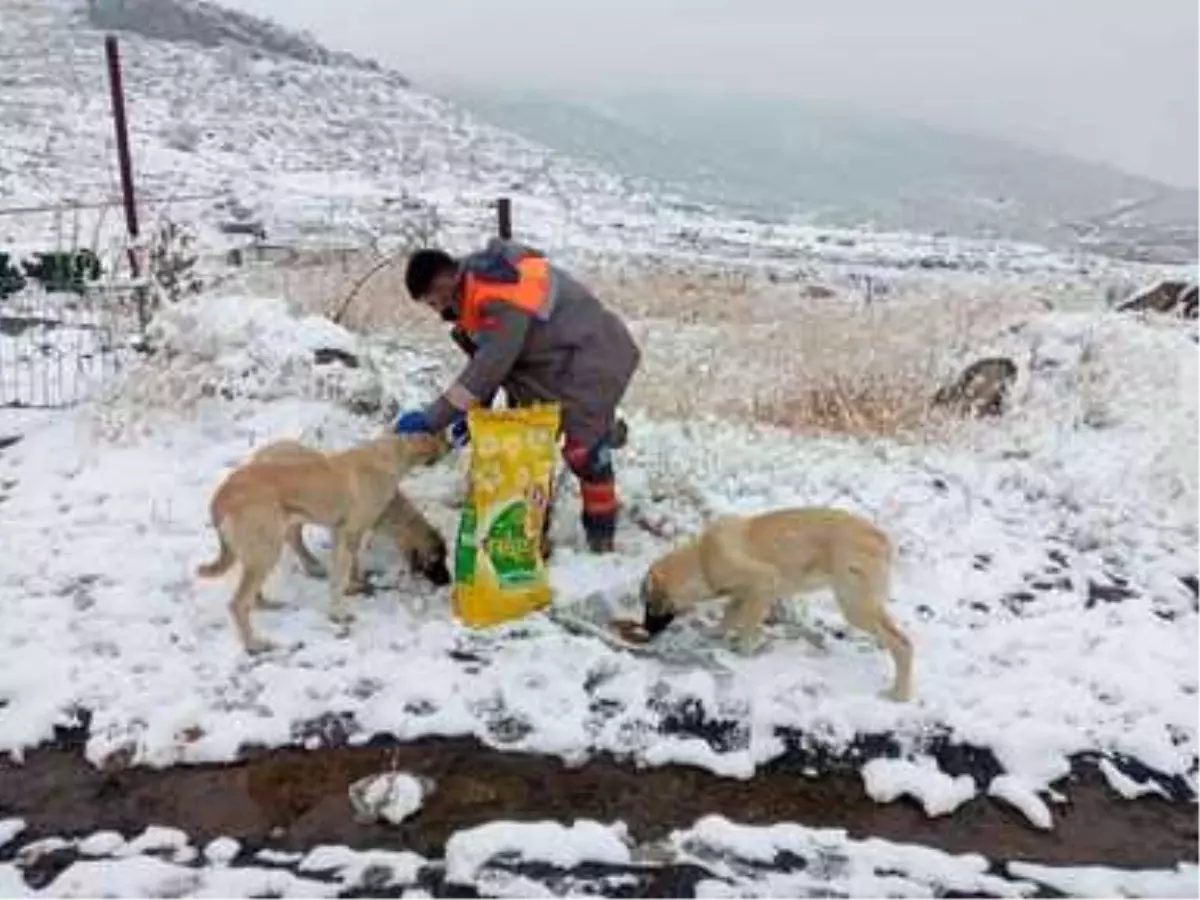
[412, 422]
[460, 435]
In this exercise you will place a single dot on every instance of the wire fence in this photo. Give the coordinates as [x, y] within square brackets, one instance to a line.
[65, 315]
[71, 314]
[54, 351]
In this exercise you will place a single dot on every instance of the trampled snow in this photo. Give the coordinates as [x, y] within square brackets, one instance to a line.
[827, 860]
[1005, 540]
[352, 867]
[1102, 881]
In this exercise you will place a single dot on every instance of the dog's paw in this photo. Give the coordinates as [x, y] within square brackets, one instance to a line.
[356, 588]
[256, 646]
[812, 637]
[747, 644]
[341, 615]
[896, 695]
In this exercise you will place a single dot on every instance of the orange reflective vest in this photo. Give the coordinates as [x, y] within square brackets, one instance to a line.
[531, 293]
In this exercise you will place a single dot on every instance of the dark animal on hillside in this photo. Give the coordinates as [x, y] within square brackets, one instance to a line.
[982, 388]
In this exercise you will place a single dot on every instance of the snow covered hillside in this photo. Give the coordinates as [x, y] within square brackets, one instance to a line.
[322, 149]
[334, 148]
[341, 152]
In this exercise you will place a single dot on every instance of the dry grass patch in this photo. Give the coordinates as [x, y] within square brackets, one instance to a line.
[375, 288]
[373, 285]
[821, 366]
[728, 344]
[856, 405]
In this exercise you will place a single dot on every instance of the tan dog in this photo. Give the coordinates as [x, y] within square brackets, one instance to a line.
[756, 561]
[417, 540]
[259, 502]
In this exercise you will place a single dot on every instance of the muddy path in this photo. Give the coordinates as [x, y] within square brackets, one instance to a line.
[294, 799]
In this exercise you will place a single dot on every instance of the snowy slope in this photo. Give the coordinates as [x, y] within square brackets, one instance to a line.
[327, 147]
[341, 152]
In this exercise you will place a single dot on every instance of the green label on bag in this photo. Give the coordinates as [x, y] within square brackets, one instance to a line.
[513, 555]
[464, 551]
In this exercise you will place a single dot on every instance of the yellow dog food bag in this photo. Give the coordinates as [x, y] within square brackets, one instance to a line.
[499, 573]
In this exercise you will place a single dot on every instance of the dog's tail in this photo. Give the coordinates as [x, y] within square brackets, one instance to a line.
[224, 561]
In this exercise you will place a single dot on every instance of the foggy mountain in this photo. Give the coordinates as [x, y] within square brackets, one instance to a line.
[772, 157]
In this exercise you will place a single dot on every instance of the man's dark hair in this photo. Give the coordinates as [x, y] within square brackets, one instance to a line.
[423, 267]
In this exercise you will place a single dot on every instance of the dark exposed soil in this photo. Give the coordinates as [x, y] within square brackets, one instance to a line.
[295, 799]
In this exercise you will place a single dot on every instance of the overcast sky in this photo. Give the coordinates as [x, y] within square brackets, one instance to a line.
[1110, 80]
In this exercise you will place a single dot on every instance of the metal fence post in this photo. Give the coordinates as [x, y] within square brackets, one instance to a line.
[117, 91]
[504, 218]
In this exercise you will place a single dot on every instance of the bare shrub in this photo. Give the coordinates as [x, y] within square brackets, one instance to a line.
[862, 406]
[172, 260]
[381, 303]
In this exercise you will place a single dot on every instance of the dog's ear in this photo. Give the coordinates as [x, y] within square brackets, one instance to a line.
[431, 565]
[426, 448]
[656, 604]
[646, 590]
[441, 446]
[428, 557]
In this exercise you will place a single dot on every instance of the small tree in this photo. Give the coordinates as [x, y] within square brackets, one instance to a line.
[172, 262]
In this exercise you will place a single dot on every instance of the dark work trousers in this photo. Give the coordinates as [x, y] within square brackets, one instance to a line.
[591, 465]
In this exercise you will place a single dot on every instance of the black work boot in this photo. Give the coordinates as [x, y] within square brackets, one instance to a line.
[619, 436]
[601, 543]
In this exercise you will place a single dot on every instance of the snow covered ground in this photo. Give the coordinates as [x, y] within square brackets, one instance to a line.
[713, 858]
[1047, 567]
[1043, 575]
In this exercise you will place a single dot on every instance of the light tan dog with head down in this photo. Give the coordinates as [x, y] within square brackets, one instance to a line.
[756, 561]
[260, 506]
[414, 537]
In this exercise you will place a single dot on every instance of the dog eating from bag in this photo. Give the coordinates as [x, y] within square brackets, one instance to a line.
[412, 534]
[261, 506]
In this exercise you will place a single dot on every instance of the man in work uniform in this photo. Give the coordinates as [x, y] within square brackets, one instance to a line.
[532, 329]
